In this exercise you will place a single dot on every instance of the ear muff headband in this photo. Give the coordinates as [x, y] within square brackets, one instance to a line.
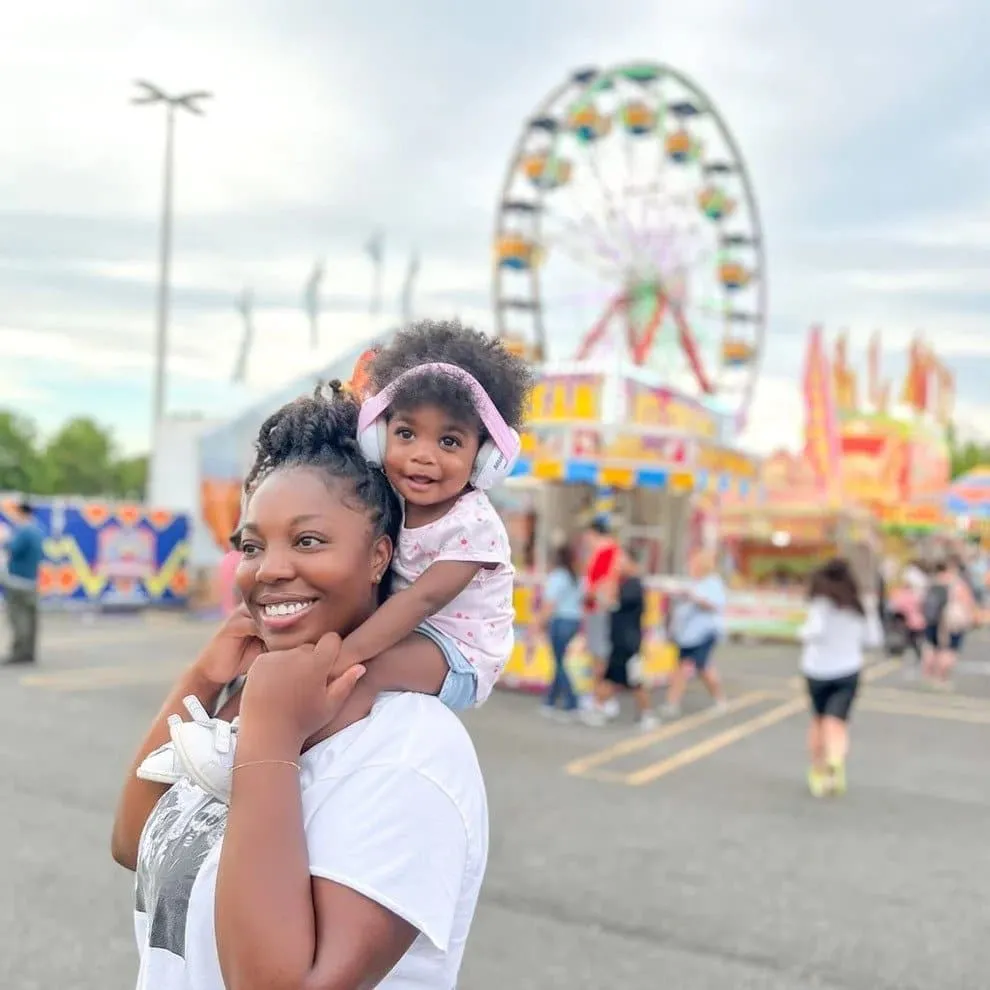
[503, 436]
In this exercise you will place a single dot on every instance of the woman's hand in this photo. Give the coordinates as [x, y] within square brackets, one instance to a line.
[232, 650]
[292, 694]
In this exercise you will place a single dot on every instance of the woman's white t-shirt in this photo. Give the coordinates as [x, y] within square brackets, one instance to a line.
[394, 807]
[834, 639]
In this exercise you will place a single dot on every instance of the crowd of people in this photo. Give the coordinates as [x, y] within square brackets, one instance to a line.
[928, 607]
[604, 598]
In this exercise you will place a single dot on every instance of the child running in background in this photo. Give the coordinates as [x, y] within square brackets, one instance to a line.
[834, 635]
[442, 425]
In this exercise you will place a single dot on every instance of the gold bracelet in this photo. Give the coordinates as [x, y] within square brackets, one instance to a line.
[255, 763]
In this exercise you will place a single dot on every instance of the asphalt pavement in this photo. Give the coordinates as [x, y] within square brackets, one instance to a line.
[690, 857]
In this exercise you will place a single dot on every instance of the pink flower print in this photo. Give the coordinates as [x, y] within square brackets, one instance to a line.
[464, 541]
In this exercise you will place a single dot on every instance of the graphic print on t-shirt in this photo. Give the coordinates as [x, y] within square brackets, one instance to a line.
[185, 825]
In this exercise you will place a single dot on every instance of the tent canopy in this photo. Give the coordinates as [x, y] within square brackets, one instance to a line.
[969, 494]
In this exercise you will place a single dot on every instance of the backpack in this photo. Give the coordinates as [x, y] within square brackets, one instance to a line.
[934, 602]
[957, 613]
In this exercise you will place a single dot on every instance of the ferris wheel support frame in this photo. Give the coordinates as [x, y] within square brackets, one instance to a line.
[585, 79]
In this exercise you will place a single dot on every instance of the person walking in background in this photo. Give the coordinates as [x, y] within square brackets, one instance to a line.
[25, 551]
[905, 622]
[624, 668]
[560, 617]
[834, 634]
[600, 579]
[949, 609]
[696, 626]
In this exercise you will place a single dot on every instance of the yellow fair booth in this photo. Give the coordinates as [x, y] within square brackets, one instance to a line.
[617, 442]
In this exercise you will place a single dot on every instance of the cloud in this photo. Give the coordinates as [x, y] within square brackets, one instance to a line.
[866, 146]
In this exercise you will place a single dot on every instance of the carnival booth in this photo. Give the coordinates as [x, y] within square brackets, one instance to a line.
[107, 556]
[868, 482]
[967, 501]
[773, 547]
[616, 442]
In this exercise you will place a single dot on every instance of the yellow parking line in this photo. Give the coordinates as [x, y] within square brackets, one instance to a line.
[714, 743]
[958, 714]
[586, 766]
[604, 776]
[906, 696]
[626, 746]
[878, 670]
[96, 678]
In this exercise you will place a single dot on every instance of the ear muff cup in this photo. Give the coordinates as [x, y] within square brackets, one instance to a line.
[372, 441]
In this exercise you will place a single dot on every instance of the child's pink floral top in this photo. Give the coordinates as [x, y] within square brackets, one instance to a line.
[480, 619]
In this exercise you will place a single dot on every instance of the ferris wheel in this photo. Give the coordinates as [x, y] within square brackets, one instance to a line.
[627, 220]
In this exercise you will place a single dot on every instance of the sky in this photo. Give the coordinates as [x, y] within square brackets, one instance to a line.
[864, 126]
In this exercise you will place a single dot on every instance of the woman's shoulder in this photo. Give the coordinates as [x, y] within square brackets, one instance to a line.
[410, 731]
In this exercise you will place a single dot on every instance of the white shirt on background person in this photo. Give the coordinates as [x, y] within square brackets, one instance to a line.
[834, 639]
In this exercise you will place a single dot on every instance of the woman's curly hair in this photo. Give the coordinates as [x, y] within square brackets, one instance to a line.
[319, 431]
[505, 377]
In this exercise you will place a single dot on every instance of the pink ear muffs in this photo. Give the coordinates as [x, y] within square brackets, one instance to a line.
[496, 457]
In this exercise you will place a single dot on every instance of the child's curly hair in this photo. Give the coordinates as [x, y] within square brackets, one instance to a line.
[506, 378]
[319, 431]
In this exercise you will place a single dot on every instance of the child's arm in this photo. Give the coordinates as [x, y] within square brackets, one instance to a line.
[403, 612]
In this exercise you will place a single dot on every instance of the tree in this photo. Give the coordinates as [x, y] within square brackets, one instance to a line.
[19, 462]
[964, 455]
[130, 478]
[79, 459]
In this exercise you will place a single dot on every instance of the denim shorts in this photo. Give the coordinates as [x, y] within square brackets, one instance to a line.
[460, 687]
[698, 654]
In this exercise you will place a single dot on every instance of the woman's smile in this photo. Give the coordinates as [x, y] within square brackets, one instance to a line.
[277, 613]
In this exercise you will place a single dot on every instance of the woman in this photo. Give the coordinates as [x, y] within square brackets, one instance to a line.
[949, 609]
[600, 580]
[560, 616]
[624, 669]
[696, 626]
[834, 634]
[356, 836]
[905, 620]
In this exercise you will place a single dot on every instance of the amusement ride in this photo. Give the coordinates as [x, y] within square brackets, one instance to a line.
[627, 220]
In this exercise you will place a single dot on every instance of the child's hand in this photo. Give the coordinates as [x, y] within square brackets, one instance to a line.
[346, 658]
[232, 649]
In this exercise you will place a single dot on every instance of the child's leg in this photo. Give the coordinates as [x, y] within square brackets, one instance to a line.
[426, 662]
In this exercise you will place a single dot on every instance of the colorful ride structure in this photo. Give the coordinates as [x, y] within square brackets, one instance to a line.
[628, 265]
[627, 218]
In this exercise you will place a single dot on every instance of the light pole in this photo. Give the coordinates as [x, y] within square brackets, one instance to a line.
[186, 101]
